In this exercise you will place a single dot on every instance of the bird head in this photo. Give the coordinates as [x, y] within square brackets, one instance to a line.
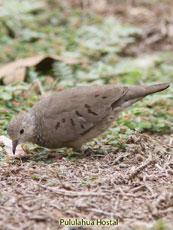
[21, 129]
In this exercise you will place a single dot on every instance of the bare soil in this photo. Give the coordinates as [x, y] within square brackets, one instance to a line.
[132, 185]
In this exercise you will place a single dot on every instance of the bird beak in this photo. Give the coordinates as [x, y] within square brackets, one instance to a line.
[15, 143]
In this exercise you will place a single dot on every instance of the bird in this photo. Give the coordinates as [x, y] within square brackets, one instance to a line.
[73, 117]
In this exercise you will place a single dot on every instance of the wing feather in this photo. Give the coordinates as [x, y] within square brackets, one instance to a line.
[73, 112]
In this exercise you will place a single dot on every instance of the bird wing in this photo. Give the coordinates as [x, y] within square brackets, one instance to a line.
[71, 113]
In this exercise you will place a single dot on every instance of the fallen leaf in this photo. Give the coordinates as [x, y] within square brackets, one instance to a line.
[8, 148]
[17, 75]
[17, 70]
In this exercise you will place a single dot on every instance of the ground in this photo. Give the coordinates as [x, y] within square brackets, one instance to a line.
[127, 174]
[133, 186]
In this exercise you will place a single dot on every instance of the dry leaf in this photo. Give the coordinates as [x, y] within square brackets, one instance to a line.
[8, 148]
[17, 70]
[17, 75]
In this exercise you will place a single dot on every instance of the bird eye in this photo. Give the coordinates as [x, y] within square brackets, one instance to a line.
[21, 131]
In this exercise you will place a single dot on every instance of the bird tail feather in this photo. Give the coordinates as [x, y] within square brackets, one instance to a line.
[140, 91]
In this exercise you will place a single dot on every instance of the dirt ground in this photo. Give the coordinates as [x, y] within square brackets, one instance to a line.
[134, 185]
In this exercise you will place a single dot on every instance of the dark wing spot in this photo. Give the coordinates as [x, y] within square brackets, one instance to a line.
[104, 97]
[57, 125]
[63, 120]
[90, 111]
[86, 131]
[97, 95]
[72, 122]
[78, 114]
[82, 126]
[87, 106]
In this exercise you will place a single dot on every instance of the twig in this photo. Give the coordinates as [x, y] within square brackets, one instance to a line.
[98, 211]
[120, 158]
[40, 87]
[163, 212]
[139, 188]
[136, 171]
[72, 193]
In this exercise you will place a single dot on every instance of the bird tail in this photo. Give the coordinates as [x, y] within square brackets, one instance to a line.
[135, 93]
[140, 91]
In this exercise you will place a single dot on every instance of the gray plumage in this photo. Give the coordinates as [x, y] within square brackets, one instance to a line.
[75, 116]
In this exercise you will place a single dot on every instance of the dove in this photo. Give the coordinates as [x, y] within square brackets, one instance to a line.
[73, 117]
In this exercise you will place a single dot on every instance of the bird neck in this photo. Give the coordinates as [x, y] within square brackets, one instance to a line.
[38, 134]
